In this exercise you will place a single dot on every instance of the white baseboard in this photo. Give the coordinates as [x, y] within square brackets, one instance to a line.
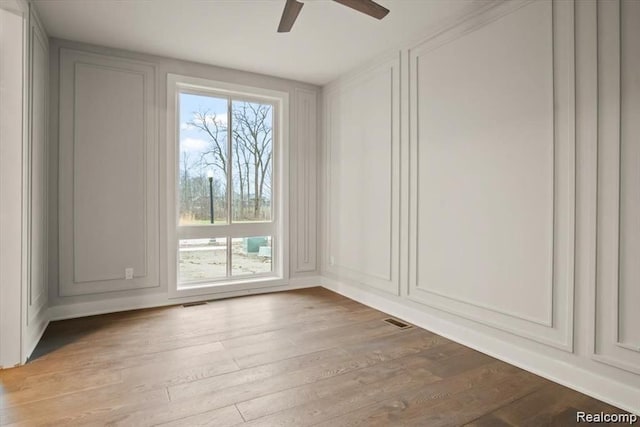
[113, 305]
[582, 380]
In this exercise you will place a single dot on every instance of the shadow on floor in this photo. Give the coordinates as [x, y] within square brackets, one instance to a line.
[62, 333]
[53, 340]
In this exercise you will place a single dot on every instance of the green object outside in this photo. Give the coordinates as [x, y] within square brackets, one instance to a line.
[252, 244]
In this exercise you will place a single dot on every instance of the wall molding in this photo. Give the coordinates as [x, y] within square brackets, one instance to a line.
[78, 66]
[304, 188]
[615, 157]
[71, 62]
[388, 67]
[14, 176]
[556, 329]
[38, 291]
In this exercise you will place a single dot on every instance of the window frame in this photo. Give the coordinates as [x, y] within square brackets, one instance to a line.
[177, 84]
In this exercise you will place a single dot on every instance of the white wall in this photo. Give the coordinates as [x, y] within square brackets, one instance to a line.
[618, 281]
[93, 239]
[362, 140]
[23, 181]
[108, 174]
[304, 187]
[492, 155]
[12, 30]
[37, 296]
[484, 167]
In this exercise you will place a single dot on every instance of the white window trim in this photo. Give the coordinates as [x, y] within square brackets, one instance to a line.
[176, 83]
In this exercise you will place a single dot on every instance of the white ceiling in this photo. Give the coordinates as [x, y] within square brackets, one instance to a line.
[327, 40]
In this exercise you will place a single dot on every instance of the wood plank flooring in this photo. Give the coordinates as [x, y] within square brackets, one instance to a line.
[308, 357]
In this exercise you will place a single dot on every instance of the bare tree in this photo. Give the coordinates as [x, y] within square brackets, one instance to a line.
[253, 130]
[252, 152]
[241, 175]
[216, 130]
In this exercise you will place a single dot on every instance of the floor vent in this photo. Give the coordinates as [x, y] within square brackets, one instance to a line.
[397, 323]
[193, 304]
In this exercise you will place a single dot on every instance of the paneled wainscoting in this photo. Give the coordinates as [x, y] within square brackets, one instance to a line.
[306, 357]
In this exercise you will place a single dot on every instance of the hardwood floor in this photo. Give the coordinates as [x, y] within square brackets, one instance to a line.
[308, 357]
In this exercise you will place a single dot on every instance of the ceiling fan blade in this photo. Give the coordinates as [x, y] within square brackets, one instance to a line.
[367, 7]
[291, 10]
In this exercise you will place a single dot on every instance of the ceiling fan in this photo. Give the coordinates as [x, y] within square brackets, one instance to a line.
[293, 7]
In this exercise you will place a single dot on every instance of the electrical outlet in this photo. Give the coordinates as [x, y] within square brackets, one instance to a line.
[128, 273]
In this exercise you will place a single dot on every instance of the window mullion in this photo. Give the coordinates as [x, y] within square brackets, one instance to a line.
[229, 182]
[229, 248]
[229, 162]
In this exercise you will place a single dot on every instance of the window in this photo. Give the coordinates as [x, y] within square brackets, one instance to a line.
[226, 195]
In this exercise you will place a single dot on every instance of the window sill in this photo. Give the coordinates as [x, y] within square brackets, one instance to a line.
[225, 286]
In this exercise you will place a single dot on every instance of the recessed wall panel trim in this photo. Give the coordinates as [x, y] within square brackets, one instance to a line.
[617, 337]
[108, 183]
[38, 146]
[362, 135]
[304, 188]
[520, 284]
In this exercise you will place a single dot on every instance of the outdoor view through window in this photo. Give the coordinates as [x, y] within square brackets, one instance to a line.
[225, 184]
